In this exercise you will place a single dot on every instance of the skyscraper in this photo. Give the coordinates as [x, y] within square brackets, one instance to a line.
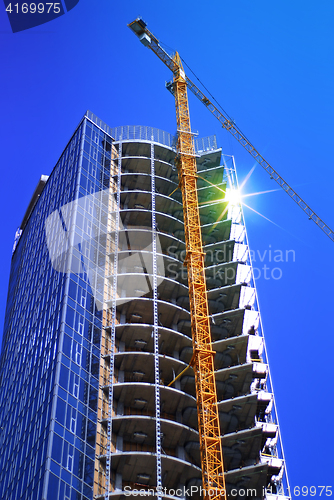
[97, 330]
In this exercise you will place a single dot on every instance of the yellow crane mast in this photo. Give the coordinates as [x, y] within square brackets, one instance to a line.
[203, 355]
[206, 395]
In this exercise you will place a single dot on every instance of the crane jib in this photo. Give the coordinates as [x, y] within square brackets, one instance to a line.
[148, 39]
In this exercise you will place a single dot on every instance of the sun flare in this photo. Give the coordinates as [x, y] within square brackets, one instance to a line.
[233, 196]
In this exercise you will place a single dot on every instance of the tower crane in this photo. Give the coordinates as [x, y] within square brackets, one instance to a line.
[203, 355]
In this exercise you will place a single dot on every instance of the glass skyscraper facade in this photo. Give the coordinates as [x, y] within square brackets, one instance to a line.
[97, 326]
[51, 345]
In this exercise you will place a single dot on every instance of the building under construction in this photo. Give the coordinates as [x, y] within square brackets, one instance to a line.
[104, 403]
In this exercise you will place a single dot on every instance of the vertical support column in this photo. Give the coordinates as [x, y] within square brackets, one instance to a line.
[113, 325]
[156, 330]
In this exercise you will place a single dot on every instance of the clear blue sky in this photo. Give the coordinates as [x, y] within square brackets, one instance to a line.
[270, 65]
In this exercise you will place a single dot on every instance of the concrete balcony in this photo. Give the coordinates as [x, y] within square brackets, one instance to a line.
[232, 273]
[141, 149]
[133, 465]
[234, 322]
[242, 412]
[139, 367]
[138, 337]
[139, 399]
[231, 382]
[140, 310]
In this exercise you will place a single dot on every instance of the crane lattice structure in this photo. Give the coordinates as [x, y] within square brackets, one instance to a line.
[207, 410]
